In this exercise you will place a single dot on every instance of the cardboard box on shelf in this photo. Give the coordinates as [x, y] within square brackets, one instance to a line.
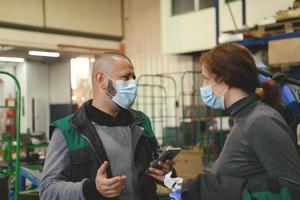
[284, 52]
[189, 163]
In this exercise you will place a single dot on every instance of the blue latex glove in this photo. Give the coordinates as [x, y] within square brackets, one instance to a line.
[176, 195]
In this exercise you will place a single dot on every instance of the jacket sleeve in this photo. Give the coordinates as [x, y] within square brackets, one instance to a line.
[213, 187]
[53, 184]
[275, 149]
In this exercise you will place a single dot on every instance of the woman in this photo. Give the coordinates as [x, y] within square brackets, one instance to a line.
[260, 143]
[259, 159]
[259, 153]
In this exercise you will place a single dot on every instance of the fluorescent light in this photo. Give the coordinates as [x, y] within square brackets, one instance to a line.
[43, 53]
[11, 59]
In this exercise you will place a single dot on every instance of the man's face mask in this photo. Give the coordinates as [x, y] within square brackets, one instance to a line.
[124, 94]
[216, 102]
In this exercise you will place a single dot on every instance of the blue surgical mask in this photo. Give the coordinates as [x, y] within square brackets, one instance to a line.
[126, 92]
[216, 102]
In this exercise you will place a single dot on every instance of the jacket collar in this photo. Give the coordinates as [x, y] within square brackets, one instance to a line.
[81, 121]
[81, 118]
[241, 107]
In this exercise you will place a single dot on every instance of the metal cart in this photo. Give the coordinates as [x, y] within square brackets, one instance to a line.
[17, 106]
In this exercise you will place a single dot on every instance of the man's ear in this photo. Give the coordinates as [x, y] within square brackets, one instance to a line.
[100, 79]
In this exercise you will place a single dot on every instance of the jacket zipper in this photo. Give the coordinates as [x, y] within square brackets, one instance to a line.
[92, 147]
[132, 127]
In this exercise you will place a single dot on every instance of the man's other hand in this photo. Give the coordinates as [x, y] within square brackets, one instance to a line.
[109, 187]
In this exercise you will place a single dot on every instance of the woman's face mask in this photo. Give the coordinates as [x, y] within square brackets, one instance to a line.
[124, 94]
[216, 102]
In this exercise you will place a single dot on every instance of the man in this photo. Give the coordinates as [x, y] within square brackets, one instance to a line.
[103, 151]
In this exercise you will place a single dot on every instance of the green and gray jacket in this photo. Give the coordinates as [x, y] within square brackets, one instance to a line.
[86, 153]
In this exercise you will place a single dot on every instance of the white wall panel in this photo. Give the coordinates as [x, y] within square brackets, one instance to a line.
[195, 31]
[29, 12]
[257, 10]
[38, 89]
[226, 21]
[60, 83]
[93, 16]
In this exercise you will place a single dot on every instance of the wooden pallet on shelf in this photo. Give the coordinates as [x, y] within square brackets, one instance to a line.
[284, 15]
[259, 31]
[272, 29]
[279, 28]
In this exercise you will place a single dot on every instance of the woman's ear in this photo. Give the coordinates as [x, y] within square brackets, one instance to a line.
[219, 80]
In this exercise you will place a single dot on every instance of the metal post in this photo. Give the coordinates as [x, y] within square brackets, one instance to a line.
[217, 21]
[244, 12]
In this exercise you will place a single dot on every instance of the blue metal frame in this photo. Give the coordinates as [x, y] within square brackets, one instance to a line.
[264, 40]
[33, 176]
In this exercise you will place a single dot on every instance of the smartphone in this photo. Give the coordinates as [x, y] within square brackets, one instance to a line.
[168, 154]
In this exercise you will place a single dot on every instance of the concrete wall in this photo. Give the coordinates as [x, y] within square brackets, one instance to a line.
[143, 45]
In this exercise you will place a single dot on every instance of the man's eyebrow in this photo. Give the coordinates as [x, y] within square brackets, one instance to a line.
[130, 74]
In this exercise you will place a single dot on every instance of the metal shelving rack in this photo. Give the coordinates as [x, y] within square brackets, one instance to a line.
[263, 41]
[18, 119]
[162, 103]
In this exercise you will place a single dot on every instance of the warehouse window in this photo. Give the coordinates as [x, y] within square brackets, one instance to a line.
[81, 68]
[182, 6]
[186, 6]
[228, 1]
[206, 4]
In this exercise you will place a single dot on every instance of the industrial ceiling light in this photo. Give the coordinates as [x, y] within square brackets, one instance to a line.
[43, 53]
[11, 59]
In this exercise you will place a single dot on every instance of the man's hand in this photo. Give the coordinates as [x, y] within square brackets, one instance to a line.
[109, 187]
[160, 174]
